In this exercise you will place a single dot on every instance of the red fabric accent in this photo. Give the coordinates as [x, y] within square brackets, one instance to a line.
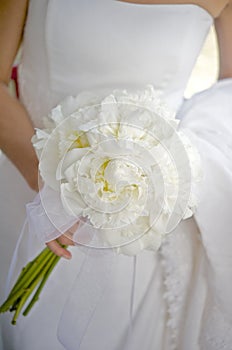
[14, 76]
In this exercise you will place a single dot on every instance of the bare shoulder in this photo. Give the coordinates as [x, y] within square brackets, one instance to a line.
[223, 26]
[221, 7]
[215, 7]
[12, 18]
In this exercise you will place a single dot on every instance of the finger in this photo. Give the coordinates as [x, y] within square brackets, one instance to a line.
[55, 247]
[65, 240]
[74, 227]
[70, 233]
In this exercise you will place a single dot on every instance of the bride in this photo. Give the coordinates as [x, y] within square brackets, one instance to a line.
[179, 297]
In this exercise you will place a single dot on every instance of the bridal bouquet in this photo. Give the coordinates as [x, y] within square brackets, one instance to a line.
[120, 166]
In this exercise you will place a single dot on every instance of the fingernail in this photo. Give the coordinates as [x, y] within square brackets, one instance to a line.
[66, 256]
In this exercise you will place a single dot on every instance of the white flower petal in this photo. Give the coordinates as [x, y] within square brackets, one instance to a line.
[120, 161]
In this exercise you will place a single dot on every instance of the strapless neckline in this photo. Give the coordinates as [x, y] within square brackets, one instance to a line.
[120, 45]
[194, 6]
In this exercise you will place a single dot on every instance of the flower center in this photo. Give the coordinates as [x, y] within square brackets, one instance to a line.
[117, 178]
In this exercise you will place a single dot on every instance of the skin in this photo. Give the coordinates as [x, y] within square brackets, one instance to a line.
[214, 7]
[13, 115]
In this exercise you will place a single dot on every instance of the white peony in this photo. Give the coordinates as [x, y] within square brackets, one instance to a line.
[120, 163]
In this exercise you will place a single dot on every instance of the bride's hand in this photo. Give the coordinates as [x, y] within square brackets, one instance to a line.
[55, 245]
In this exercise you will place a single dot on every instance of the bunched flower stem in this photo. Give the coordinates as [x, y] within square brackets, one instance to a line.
[24, 283]
[35, 272]
[35, 298]
[31, 269]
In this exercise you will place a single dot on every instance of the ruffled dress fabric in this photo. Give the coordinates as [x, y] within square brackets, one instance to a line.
[176, 298]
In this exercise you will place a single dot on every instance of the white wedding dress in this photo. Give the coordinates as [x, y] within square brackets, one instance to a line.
[179, 297]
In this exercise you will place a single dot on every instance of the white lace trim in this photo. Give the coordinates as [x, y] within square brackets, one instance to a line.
[176, 262]
[216, 330]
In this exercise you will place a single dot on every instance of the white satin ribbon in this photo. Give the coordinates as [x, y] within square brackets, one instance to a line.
[46, 217]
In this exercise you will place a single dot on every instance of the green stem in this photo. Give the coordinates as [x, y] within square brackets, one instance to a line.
[34, 272]
[26, 268]
[30, 289]
[44, 280]
[36, 265]
[19, 308]
[15, 305]
[10, 301]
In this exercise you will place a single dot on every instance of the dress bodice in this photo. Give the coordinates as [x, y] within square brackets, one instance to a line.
[76, 45]
[179, 298]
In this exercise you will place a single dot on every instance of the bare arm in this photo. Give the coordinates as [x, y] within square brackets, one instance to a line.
[16, 128]
[223, 25]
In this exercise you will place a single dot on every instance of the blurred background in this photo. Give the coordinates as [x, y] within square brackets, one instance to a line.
[206, 69]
